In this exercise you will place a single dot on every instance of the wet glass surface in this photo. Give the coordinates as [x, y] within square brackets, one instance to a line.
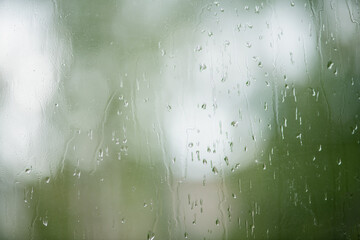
[179, 119]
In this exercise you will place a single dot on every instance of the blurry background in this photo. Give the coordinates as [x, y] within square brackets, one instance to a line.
[179, 119]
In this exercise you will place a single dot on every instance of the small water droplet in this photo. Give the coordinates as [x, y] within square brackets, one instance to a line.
[202, 67]
[248, 44]
[234, 123]
[339, 161]
[28, 170]
[190, 145]
[47, 179]
[151, 235]
[210, 34]
[292, 4]
[45, 222]
[203, 106]
[198, 48]
[214, 170]
[217, 222]
[186, 235]
[226, 159]
[330, 64]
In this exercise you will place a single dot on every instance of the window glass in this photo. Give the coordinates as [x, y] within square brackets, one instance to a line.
[179, 119]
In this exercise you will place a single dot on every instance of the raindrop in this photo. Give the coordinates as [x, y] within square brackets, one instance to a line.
[339, 161]
[330, 64]
[214, 170]
[198, 48]
[217, 222]
[203, 106]
[190, 145]
[202, 67]
[234, 123]
[47, 179]
[151, 235]
[292, 4]
[226, 159]
[45, 222]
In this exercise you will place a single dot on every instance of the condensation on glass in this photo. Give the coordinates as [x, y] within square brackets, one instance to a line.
[179, 119]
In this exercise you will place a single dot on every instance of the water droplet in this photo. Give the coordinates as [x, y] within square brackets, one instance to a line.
[47, 179]
[339, 161]
[190, 145]
[330, 64]
[150, 235]
[226, 159]
[292, 4]
[202, 67]
[248, 44]
[214, 170]
[320, 148]
[247, 83]
[186, 235]
[28, 170]
[45, 222]
[210, 34]
[217, 222]
[56, 105]
[234, 123]
[198, 48]
[203, 106]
